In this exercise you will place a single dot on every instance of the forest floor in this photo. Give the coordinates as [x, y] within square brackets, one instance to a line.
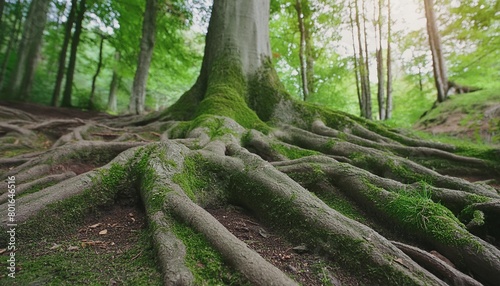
[114, 245]
[106, 240]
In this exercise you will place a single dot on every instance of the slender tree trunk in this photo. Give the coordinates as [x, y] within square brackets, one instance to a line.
[355, 60]
[138, 95]
[439, 68]
[420, 80]
[66, 101]
[63, 53]
[368, 95]
[310, 54]
[115, 80]
[363, 72]
[21, 79]
[388, 108]
[302, 50]
[2, 6]
[380, 65]
[94, 79]
[13, 39]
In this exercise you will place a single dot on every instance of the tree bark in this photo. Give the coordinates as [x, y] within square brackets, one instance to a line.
[388, 108]
[115, 81]
[94, 79]
[68, 87]
[138, 96]
[64, 50]
[302, 49]
[368, 95]
[21, 79]
[439, 67]
[355, 62]
[380, 65]
[240, 47]
[2, 5]
[13, 39]
[364, 77]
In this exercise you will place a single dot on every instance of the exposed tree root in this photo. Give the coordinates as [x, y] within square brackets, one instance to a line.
[437, 266]
[215, 161]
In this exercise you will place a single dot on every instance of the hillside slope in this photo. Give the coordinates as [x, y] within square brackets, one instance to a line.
[475, 116]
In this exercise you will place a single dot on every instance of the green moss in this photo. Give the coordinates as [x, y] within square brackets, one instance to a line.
[60, 216]
[35, 189]
[226, 94]
[292, 152]
[329, 144]
[204, 261]
[40, 266]
[416, 212]
[190, 179]
[341, 204]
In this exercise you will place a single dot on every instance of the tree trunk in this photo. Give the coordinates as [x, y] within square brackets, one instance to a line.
[138, 96]
[380, 65]
[388, 109]
[94, 79]
[363, 72]
[64, 50]
[368, 95]
[438, 65]
[70, 73]
[13, 39]
[355, 61]
[21, 79]
[115, 81]
[2, 5]
[302, 49]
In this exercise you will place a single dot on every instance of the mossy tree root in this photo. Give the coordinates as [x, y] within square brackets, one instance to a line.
[424, 152]
[256, 185]
[418, 214]
[437, 266]
[379, 162]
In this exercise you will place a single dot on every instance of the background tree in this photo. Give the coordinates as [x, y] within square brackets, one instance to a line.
[146, 52]
[13, 40]
[94, 78]
[380, 63]
[388, 109]
[438, 64]
[306, 55]
[21, 80]
[64, 50]
[363, 62]
[75, 41]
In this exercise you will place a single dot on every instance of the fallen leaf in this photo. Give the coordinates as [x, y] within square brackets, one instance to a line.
[72, 248]
[300, 248]
[263, 233]
[3, 250]
[95, 225]
[55, 246]
[103, 232]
